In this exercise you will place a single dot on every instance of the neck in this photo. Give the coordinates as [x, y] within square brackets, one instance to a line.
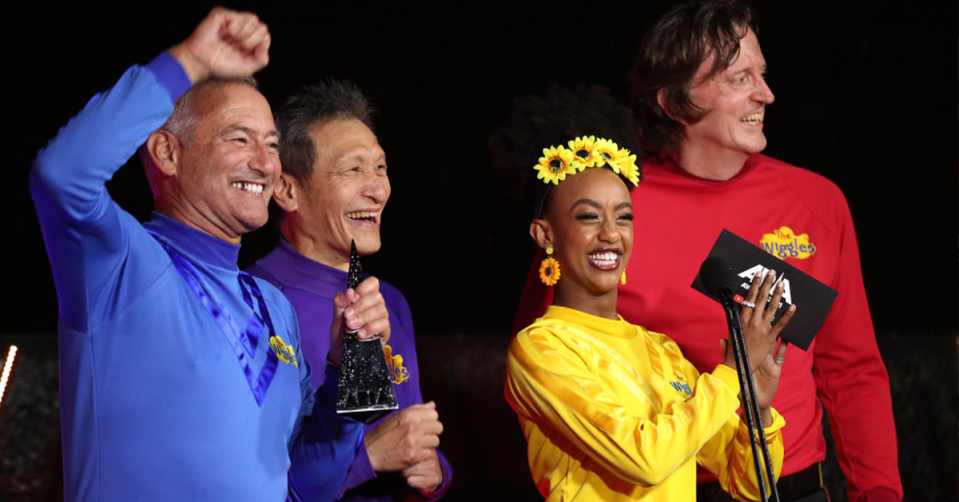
[602, 305]
[710, 163]
[196, 221]
[309, 246]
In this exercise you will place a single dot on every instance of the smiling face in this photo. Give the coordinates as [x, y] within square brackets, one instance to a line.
[228, 167]
[736, 100]
[348, 190]
[590, 227]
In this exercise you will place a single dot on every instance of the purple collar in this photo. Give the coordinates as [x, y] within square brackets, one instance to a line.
[294, 270]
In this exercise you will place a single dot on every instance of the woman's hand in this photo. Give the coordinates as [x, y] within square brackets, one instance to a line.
[761, 336]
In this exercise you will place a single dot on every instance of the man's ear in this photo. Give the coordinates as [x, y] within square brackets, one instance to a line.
[287, 193]
[541, 232]
[165, 151]
[664, 104]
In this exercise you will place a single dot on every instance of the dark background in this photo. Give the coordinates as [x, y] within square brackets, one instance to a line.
[866, 94]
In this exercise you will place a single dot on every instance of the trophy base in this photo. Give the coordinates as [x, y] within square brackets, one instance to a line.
[367, 415]
[365, 391]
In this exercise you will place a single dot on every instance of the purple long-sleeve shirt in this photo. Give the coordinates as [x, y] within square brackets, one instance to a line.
[310, 286]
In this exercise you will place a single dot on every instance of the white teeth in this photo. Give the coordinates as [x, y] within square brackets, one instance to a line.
[254, 188]
[362, 215]
[753, 119]
[604, 258]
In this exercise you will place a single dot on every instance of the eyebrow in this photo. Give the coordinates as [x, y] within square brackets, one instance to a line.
[588, 202]
[353, 157]
[597, 205]
[248, 131]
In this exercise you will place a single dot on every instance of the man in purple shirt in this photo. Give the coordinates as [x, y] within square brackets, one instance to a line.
[332, 191]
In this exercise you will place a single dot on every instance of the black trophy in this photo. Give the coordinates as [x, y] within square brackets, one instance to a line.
[366, 389]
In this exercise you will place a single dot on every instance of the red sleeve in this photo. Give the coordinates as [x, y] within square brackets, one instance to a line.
[853, 384]
[536, 295]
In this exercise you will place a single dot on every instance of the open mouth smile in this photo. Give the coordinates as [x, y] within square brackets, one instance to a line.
[253, 188]
[364, 217]
[753, 119]
[604, 260]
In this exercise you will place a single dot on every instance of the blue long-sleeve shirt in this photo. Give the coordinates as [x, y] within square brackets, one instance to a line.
[158, 401]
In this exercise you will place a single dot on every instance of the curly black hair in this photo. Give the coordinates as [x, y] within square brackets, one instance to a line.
[541, 121]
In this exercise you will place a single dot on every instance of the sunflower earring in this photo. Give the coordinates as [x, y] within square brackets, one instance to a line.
[622, 278]
[549, 268]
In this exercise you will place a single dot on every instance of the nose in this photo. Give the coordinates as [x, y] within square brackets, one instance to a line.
[763, 93]
[609, 232]
[377, 188]
[265, 161]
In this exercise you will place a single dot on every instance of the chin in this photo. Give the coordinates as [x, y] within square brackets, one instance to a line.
[366, 247]
[253, 222]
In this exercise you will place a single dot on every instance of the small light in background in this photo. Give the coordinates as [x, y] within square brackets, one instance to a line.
[7, 366]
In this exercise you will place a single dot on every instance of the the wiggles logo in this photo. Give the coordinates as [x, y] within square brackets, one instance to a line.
[398, 373]
[784, 243]
[282, 350]
[681, 385]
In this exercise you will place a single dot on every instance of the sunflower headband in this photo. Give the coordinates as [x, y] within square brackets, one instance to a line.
[558, 162]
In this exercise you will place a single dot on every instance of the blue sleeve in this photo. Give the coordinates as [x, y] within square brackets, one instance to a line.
[324, 444]
[85, 232]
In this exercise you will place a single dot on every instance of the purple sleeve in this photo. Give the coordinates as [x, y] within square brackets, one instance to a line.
[404, 318]
[404, 342]
[447, 477]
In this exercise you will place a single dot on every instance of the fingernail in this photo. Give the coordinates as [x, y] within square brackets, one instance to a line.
[362, 332]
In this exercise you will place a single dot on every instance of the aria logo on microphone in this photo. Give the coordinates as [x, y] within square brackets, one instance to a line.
[759, 269]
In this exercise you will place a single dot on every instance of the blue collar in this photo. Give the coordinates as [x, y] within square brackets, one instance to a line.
[199, 246]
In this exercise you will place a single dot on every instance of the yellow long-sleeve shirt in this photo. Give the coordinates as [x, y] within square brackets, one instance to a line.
[613, 412]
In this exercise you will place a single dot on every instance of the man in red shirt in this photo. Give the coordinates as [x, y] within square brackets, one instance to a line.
[700, 96]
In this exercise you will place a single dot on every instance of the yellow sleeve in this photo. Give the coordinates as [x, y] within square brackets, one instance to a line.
[596, 401]
[729, 453]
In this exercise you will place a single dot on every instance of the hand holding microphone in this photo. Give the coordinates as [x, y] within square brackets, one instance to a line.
[753, 341]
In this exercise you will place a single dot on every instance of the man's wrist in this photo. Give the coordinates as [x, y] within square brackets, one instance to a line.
[197, 71]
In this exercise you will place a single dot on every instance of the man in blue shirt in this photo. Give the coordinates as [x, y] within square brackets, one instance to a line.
[182, 378]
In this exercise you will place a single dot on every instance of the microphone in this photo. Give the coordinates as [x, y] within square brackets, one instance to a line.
[716, 276]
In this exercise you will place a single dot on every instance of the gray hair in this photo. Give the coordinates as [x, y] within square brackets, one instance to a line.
[185, 120]
[327, 101]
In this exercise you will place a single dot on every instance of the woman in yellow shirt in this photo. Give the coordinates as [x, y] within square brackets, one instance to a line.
[611, 411]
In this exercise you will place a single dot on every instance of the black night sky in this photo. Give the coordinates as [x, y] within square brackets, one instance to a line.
[866, 94]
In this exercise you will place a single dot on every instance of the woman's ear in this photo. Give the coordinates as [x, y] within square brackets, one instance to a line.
[287, 192]
[541, 232]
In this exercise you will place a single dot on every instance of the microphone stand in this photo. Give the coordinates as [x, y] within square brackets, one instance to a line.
[748, 388]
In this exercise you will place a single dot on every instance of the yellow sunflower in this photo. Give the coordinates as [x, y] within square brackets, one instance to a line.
[549, 271]
[626, 167]
[555, 164]
[584, 151]
[608, 153]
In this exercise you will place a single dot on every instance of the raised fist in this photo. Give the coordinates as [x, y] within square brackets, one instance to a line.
[226, 44]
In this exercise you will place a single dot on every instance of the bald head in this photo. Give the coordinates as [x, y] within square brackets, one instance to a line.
[214, 164]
